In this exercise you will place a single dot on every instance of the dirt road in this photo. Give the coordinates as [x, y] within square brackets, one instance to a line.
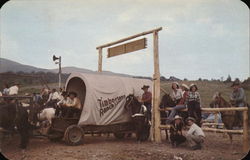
[216, 147]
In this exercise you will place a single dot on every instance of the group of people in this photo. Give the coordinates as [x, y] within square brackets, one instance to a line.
[67, 104]
[186, 96]
[194, 136]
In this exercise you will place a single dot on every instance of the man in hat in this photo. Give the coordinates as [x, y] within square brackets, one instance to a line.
[238, 96]
[195, 136]
[74, 105]
[176, 127]
[147, 99]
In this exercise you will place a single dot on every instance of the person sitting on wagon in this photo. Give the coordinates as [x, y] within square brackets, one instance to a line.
[181, 104]
[193, 101]
[195, 136]
[147, 100]
[53, 98]
[61, 105]
[74, 104]
[176, 127]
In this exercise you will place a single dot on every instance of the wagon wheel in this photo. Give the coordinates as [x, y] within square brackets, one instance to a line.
[54, 135]
[119, 135]
[74, 135]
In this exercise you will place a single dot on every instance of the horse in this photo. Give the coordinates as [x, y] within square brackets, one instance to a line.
[14, 115]
[139, 117]
[229, 118]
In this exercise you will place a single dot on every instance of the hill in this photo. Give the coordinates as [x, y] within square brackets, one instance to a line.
[11, 66]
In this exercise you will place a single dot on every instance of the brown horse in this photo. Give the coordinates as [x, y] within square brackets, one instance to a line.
[229, 118]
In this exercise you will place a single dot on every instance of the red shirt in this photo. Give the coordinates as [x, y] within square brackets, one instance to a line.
[147, 97]
[183, 99]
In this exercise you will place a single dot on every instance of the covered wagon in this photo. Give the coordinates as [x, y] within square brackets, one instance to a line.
[103, 99]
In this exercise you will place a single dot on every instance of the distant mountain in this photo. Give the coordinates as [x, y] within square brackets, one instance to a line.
[11, 66]
[71, 70]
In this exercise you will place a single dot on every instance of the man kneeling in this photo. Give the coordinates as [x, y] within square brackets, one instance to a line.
[176, 127]
[195, 135]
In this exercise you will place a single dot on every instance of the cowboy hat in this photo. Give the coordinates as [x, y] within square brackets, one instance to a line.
[191, 118]
[144, 86]
[236, 83]
[177, 117]
[185, 86]
[177, 84]
[193, 85]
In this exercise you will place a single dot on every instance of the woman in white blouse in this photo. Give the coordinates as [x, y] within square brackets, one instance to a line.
[177, 92]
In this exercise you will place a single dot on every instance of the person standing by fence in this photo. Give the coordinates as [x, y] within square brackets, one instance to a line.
[193, 103]
[238, 97]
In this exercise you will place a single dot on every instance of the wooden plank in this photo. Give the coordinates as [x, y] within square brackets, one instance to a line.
[129, 38]
[100, 60]
[222, 130]
[127, 47]
[245, 132]
[211, 109]
[157, 86]
[209, 124]
[164, 126]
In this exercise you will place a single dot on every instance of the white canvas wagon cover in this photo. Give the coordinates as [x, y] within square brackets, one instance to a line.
[103, 96]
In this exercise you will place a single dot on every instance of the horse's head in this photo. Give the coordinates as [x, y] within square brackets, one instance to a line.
[167, 101]
[219, 100]
[133, 104]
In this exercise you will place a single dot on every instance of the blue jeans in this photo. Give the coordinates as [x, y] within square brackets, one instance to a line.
[174, 110]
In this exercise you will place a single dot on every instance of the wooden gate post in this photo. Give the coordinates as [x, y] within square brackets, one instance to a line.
[245, 131]
[100, 60]
[156, 95]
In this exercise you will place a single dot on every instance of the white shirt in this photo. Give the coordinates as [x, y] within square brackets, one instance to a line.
[53, 96]
[13, 90]
[178, 94]
[195, 130]
[63, 101]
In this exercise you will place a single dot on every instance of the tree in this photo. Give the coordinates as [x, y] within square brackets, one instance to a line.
[229, 79]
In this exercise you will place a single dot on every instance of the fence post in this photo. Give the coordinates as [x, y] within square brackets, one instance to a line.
[245, 131]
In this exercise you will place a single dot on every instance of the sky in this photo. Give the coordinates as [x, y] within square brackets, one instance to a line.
[200, 38]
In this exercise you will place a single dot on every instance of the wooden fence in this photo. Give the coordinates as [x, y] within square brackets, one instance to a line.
[243, 131]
